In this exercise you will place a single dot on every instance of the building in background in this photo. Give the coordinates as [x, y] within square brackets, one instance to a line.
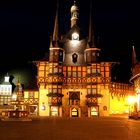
[74, 82]
[136, 79]
[5, 94]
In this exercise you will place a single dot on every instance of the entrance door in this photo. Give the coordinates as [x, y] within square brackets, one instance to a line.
[74, 112]
[54, 111]
[94, 111]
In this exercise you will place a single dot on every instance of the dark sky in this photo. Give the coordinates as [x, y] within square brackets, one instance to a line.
[26, 27]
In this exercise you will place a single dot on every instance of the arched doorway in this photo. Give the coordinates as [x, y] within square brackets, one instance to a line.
[54, 111]
[74, 112]
[94, 111]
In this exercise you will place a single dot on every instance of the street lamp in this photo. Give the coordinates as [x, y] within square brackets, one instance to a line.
[43, 107]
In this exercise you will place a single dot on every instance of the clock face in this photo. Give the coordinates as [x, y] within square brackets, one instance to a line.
[75, 36]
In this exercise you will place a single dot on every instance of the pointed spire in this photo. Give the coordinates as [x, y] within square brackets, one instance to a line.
[134, 59]
[90, 24]
[74, 14]
[91, 32]
[55, 32]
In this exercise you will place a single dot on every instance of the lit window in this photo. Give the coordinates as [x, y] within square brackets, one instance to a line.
[69, 74]
[94, 91]
[60, 70]
[89, 91]
[59, 90]
[98, 70]
[88, 70]
[50, 70]
[55, 90]
[50, 90]
[31, 95]
[74, 74]
[93, 70]
[79, 74]
[55, 70]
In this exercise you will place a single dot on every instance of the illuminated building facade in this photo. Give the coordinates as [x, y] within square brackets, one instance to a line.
[136, 79]
[74, 82]
[5, 93]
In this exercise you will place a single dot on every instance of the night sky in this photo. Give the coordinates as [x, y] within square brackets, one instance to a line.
[26, 27]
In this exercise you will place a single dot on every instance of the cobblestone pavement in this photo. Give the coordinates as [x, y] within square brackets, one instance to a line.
[102, 128]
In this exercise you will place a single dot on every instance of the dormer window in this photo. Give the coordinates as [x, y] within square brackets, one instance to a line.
[75, 36]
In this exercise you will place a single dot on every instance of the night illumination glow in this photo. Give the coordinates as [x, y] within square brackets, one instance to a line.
[94, 112]
[43, 107]
[6, 78]
[74, 43]
[138, 100]
[130, 100]
[75, 36]
[54, 111]
[75, 39]
[14, 97]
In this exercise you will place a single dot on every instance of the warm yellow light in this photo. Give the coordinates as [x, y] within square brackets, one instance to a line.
[138, 91]
[94, 111]
[14, 97]
[130, 99]
[138, 95]
[43, 107]
[74, 43]
[54, 111]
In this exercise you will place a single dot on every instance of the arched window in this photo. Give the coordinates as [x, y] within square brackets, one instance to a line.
[74, 57]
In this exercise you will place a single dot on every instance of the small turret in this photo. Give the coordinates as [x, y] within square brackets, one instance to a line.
[74, 14]
[6, 78]
[19, 91]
